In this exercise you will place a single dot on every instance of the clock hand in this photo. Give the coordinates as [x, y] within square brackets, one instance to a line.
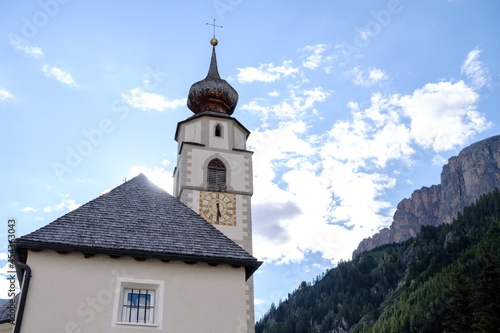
[218, 212]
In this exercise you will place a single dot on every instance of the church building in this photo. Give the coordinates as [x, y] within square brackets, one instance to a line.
[138, 259]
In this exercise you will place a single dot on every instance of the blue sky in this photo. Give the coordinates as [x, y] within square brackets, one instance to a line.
[352, 106]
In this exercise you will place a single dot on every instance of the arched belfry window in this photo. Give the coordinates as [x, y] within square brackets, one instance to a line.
[216, 175]
[218, 130]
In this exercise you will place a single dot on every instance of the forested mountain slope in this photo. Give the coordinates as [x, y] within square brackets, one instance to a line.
[413, 286]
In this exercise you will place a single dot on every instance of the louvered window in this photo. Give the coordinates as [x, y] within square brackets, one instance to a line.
[216, 175]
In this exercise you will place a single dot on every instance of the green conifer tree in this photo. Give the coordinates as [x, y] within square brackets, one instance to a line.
[487, 299]
[460, 297]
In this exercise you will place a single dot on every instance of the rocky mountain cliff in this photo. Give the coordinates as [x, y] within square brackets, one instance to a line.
[475, 171]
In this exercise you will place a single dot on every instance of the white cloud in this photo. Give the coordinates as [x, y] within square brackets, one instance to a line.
[293, 205]
[29, 209]
[443, 115]
[282, 143]
[296, 105]
[376, 75]
[32, 51]
[475, 71]
[59, 75]
[373, 136]
[259, 301]
[324, 193]
[70, 204]
[356, 197]
[353, 106]
[148, 101]
[275, 207]
[310, 191]
[266, 72]
[255, 107]
[367, 78]
[6, 268]
[307, 188]
[314, 57]
[159, 176]
[439, 160]
[66, 202]
[293, 197]
[4, 94]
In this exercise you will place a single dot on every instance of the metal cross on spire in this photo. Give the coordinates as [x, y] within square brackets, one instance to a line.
[214, 40]
[214, 25]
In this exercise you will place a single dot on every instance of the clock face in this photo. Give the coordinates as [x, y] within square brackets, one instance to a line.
[218, 208]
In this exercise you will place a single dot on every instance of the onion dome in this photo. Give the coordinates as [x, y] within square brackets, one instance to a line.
[212, 93]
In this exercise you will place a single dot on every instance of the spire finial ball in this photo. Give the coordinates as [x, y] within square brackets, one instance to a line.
[214, 41]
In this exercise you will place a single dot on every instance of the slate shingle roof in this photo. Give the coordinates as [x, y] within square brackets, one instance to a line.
[139, 219]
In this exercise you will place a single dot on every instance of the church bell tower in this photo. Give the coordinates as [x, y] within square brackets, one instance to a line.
[213, 175]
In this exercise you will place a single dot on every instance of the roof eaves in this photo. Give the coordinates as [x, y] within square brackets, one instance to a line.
[250, 264]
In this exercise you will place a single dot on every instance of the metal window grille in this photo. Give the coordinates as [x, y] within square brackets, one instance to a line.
[138, 306]
[216, 175]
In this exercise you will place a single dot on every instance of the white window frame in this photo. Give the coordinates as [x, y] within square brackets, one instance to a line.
[155, 289]
[138, 306]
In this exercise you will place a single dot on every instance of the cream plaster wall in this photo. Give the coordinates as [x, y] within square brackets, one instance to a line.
[202, 130]
[6, 328]
[69, 293]
[193, 159]
[235, 164]
[191, 132]
[240, 138]
[222, 142]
